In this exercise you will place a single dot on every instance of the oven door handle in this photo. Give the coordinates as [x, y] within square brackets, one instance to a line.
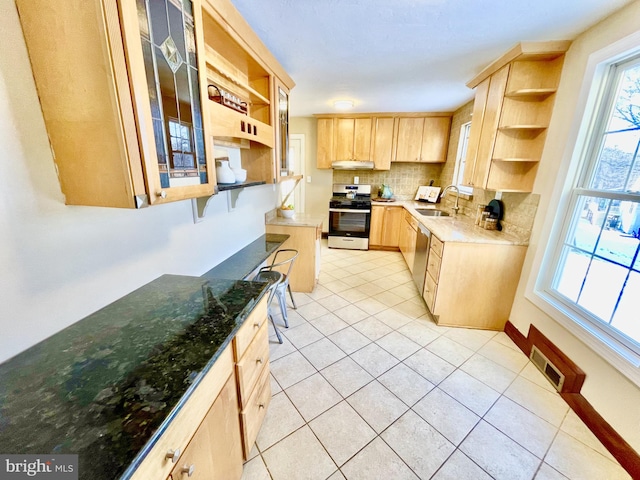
[348, 210]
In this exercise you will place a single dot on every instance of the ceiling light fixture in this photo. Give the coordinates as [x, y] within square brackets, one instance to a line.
[343, 104]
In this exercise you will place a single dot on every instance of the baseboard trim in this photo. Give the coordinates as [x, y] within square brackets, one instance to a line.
[612, 441]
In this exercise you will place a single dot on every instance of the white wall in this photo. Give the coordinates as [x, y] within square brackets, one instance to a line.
[612, 394]
[60, 263]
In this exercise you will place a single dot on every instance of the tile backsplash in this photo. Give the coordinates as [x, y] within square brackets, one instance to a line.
[403, 178]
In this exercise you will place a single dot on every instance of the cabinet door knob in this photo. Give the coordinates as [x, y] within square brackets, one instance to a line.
[257, 325]
[173, 455]
[259, 360]
[188, 469]
[261, 405]
[162, 194]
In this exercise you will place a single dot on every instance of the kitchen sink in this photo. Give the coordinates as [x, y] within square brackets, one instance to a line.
[432, 212]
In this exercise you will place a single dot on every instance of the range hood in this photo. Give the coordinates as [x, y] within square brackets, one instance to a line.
[352, 165]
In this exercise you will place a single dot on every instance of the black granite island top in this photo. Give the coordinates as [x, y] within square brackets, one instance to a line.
[245, 261]
[107, 386]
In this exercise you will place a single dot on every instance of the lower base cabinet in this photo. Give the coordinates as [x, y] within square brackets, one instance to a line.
[408, 238]
[306, 240]
[215, 451]
[385, 226]
[213, 432]
[472, 284]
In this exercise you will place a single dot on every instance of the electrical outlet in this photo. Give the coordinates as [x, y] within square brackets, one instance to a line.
[308, 178]
[356, 180]
[498, 195]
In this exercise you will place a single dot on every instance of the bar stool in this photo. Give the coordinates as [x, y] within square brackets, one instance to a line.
[274, 279]
[284, 266]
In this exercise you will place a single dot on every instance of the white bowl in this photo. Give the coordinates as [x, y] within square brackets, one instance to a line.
[287, 213]
[240, 174]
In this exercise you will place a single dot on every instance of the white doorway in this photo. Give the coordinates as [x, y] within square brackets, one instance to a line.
[297, 167]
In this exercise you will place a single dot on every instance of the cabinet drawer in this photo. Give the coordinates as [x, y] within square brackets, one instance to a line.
[410, 220]
[253, 414]
[429, 293]
[433, 265]
[251, 326]
[250, 366]
[436, 245]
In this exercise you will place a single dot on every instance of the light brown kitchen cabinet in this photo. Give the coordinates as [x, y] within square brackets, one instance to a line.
[512, 109]
[472, 284]
[385, 226]
[215, 451]
[238, 63]
[217, 425]
[353, 139]
[306, 240]
[120, 139]
[383, 142]
[324, 151]
[423, 139]
[127, 106]
[251, 353]
[408, 238]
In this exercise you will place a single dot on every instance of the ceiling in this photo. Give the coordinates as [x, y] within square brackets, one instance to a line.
[403, 55]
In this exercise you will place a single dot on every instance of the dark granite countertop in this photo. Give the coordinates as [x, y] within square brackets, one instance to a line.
[106, 387]
[245, 261]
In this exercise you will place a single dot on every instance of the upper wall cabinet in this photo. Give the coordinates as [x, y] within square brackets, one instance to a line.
[124, 89]
[512, 109]
[248, 104]
[383, 138]
[122, 98]
[423, 139]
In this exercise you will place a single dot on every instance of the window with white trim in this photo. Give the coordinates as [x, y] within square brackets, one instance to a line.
[596, 268]
[461, 156]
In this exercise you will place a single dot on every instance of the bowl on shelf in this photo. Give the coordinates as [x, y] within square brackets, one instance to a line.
[240, 174]
[287, 212]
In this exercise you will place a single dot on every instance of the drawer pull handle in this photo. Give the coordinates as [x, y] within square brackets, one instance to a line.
[188, 469]
[259, 360]
[173, 455]
[261, 405]
[257, 325]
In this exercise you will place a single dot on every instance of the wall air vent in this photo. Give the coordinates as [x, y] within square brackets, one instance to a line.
[548, 369]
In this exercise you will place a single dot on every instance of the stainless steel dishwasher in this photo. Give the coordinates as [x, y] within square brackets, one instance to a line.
[422, 254]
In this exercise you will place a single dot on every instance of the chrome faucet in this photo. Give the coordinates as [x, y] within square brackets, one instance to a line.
[455, 207]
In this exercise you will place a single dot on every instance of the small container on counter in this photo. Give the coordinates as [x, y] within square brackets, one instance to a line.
[491, 223]
[480, 210]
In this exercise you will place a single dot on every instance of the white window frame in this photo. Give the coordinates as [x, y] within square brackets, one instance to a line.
[463, 144]
[604, 341]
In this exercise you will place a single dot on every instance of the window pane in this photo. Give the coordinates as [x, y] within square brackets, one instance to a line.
[626, 319]
[616, 161]
[587, 228]
[571, 273]
[601, 288]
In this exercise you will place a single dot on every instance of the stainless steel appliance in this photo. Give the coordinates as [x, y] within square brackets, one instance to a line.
[350, 217]
[421, 257]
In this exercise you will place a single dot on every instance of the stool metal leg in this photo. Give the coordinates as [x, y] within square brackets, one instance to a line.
[291, 295]
[282, 300]
[278, 334]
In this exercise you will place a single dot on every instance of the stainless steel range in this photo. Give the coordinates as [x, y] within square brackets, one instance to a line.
[350, 217]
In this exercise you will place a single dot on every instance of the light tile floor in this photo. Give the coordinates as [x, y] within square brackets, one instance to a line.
[367, 387]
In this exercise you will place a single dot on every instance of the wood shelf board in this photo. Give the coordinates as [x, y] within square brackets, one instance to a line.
[531, 93]
[522, 127]
[523, 160]
[542, 51]
[230, 73]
